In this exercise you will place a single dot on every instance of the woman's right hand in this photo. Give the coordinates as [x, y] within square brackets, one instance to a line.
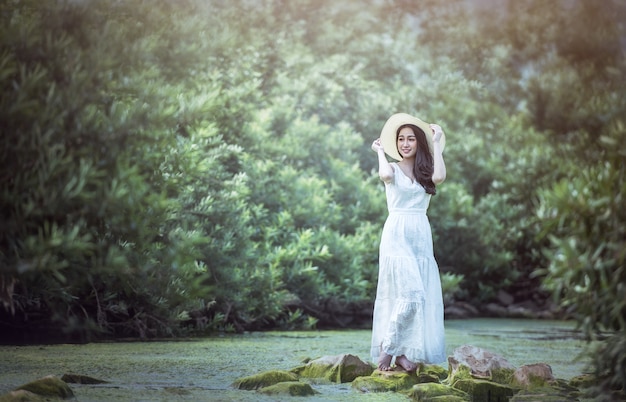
[377, 146]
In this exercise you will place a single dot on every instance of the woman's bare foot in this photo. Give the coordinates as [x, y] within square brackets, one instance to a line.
[384, 361]
[405, 363]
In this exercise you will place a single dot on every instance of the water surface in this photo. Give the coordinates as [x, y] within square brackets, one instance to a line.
[204, 368]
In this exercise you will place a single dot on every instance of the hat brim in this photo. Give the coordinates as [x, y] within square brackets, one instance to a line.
[388, 135]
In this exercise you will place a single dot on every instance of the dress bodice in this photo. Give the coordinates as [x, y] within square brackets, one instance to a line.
[405, 195]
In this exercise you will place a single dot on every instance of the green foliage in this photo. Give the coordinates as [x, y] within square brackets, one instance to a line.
[581, 214]
[583, 218]
[172, 166]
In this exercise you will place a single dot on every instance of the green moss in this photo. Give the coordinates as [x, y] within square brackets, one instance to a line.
[547, 394]
[424, 377]
[384, 381]
[21, 396]
[402, 379]
[49, 386]
[292, 388]
[434, 370]
[584, 381]
[264, 379]
[376, 384]
[502, 375]
[349, 372]
[429, 391]
[448, 398]
[483, 390]
[337, 369]
[461, 373]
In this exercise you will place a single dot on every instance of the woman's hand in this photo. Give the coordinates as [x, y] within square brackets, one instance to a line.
[377, 146]
[437, 132]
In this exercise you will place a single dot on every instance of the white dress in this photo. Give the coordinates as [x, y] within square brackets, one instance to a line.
[408, 312]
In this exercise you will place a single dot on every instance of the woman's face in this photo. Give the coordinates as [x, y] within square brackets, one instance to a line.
[407, 143]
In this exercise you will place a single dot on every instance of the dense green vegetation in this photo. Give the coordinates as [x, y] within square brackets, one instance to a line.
[170, 166]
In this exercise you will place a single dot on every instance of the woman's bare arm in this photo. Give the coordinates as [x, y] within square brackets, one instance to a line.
[385, 170]
[439, 171]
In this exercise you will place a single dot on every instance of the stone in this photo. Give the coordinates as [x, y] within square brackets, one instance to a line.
[447, 398]
[533, 375]
[518, 311]
[481, 363]
[557, 391]
[504, 298]
[584, 381]
[337, 369]
[484, 390]
[398, 379]
[425, 377]
[22, 396]
[434, 370]
[49, 386]
[496, 310]
[289, 388]
[433, 392]
[81, 379]
[264, 379]
[376, 384]
[460, 310]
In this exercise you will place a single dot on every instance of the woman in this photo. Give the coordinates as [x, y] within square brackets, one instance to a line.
[408, 312]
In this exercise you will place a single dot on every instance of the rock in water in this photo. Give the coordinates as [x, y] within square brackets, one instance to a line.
[481, 362]
[49, 386]
[533, 375]
[264, 379]
[289, 388]
[81, 379]
[337, 369]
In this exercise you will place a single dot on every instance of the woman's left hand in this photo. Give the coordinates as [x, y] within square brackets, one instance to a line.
[437, 132]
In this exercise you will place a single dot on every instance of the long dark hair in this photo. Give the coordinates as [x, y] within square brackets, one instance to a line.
[424, 164]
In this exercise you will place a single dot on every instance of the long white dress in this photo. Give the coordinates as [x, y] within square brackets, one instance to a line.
[408, 311]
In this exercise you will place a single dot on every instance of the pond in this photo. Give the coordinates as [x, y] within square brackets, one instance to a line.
[204, 368]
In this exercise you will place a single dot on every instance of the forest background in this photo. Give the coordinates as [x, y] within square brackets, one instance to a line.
[181, 167]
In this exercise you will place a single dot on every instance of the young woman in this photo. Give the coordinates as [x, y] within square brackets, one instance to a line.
[408, 311]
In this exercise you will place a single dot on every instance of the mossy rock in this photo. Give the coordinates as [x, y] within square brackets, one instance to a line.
[385, 381]
[554, 393]
[448, 398]
[461, 373]
[336, 369]
[483, 390]
[50, 386]
[437, 392]
[264, 379]
[289, 388]
[584, 381]
[434, 370]
[425, 377]
[502, 376]
[22, 396]
[399, 376]
[81, 379]
[533, 376]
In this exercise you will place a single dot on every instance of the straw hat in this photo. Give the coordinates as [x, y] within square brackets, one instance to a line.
[388, 135]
